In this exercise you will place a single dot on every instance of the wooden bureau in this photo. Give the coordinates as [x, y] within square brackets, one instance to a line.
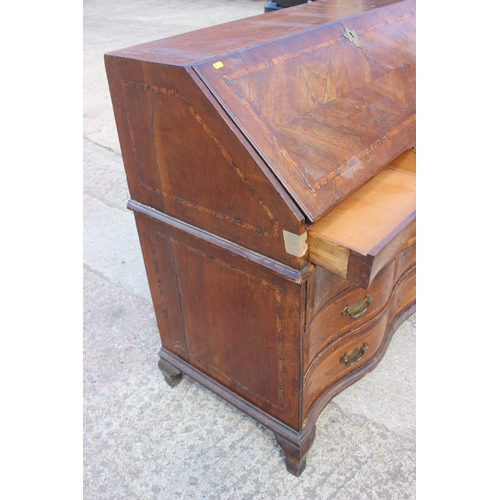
[271, 168]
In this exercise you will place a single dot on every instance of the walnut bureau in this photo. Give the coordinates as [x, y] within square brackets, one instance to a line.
[271, 166]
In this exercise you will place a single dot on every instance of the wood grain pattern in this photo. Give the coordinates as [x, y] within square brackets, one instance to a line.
[229, 192]
[364, 232]
[324, 114]
[188, 48]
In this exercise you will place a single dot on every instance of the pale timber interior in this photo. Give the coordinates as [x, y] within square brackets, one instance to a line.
[367, 217]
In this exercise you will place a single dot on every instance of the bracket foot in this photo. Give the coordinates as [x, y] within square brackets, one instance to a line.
[296, 451]
[172, 375]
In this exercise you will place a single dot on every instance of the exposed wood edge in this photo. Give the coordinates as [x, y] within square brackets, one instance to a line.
[319, 404]
[340, 259]
[359, 270]
[402, 237]
[403, 226]
[231, 397]
[297, 276]
[357, 267]
[328, 254]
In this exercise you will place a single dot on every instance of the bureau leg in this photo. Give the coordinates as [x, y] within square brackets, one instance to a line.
[296, 451]
[172, 375]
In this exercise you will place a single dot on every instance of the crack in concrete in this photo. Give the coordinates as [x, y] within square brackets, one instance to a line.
[114, 206]
[116, 283]
[382, 427]
[102, 146]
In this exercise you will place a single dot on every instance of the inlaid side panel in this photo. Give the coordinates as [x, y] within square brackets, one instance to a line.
[133, 112]
[239, 321]
[184, 158]
[161, 271]
[224, 339]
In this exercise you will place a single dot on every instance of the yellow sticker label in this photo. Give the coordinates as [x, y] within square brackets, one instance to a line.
[218, 65]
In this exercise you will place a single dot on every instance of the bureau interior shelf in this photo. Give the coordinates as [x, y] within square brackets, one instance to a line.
[361, 234]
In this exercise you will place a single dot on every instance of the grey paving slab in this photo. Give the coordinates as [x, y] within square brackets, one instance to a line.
[111, 25]
[143, 439]
[387, 395]
[111, 246]
[103, 175]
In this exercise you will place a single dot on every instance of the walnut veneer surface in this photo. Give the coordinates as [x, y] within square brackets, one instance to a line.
[239, 138]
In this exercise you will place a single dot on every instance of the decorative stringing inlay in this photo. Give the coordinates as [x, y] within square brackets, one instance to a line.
[279, 332]
[159, 282]
[176, 93]
[232, 78]
[311, 48]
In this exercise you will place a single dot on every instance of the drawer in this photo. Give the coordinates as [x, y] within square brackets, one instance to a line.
[406, 259]
[330, 367]
[343, 357]
[363, 233]
[349, 310]
[332, 321]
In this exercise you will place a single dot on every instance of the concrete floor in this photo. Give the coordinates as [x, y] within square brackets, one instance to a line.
[143, 439]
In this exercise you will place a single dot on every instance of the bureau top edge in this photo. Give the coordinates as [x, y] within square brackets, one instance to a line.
[196, 46]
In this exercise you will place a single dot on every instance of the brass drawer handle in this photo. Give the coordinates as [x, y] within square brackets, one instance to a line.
[357, 354]
[359, 308]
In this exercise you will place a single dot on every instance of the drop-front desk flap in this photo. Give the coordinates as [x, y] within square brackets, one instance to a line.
[362, 234]
[327, 109]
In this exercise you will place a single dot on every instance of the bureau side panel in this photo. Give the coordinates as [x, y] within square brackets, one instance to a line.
[162, 278]
[240, 322]
[185, 157]
[134, 114]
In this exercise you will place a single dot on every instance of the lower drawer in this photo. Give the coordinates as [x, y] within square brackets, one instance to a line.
[347, 311]
[332, 321]
[353, 352]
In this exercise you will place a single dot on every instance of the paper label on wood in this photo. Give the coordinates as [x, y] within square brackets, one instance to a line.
[295, 244]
